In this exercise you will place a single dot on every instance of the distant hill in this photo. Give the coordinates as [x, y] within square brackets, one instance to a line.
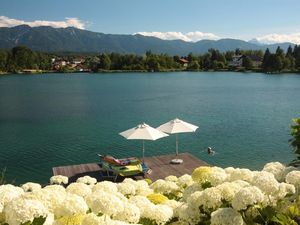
[71, 39]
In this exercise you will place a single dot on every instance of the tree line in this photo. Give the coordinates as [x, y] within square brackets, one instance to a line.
[21, 57]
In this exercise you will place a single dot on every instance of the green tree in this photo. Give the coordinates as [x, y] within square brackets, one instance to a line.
[237, 51]
[289, 51]
[153, 63]
[191, 57]
[206, 62]
[280, 52]
[193, 66]
[296, 54]
[266, 65]
[277, 63]
[228, 55]
[295, 140]
[3, 60]
[105, 62]
[247, 63]
[22, 58]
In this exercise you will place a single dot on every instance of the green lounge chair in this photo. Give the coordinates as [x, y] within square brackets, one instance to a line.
[122, 167]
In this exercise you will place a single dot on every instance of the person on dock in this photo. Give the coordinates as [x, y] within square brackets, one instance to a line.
[210, 151]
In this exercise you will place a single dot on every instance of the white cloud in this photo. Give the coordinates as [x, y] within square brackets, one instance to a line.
[68, 22]
[190, 36]
[280, 38]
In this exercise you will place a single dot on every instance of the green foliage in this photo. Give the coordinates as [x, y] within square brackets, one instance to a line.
[146, 221]
[36, 221]
[247, 63]
[206, 184]
[21, 57]
[295, 140]
[3, 60]
[105, 62]
[283, 219]
[193, 66]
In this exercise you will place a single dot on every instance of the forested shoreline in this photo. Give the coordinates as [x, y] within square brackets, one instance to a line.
[21, 59]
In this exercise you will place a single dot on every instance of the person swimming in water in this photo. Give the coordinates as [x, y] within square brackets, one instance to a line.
[210, 151]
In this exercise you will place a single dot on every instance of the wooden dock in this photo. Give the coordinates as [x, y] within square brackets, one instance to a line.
[160, 166]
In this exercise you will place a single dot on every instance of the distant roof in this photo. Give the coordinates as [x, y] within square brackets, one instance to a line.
[183, 60]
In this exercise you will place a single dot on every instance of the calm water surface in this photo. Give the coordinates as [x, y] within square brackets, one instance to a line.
[60, 119]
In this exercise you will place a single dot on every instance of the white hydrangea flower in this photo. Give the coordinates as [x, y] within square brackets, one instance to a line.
[30, 186]
[144, 204]
[293, 178]
[55, 187]
[51, 196]
[241, 183]
[80, 189]
[105, 203]
[277, 169]
[266, 182]
[126, 188]
[171, 178]
[185, 180]
[228, 190]
[22, 210]
[141, 186]
[213, 175]
[285, 189]
[209, 199]
[2, 216]
[49, 219]
[229, 170]
[71, 205]
[247, 196]
[187, 214]
[9, 192]
[161, 214]
[130, 214]
[226, 216]
[190, 190]
[59, 179]
[106, 186]
[287, 170]
[120, 196]
[87, 180]
[239, 174]
[165, 187]
[172, 203]
[92, 219]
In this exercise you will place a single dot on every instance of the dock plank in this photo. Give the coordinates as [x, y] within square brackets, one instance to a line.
[160, 166]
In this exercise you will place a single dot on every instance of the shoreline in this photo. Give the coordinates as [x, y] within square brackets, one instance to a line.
[146, 71]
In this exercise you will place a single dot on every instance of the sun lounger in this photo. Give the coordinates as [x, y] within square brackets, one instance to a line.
[122, 167]
[124, 171]
[120, 162]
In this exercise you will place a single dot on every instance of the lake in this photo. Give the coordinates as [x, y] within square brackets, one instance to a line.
[61, 119]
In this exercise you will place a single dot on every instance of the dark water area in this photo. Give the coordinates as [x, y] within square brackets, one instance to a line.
[61, 119]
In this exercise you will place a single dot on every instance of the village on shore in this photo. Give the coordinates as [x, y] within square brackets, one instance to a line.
[21, 59]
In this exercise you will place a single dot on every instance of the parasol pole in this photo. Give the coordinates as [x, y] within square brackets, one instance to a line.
[143, 150]
[176, 144]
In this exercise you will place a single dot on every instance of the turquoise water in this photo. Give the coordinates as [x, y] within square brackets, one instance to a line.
[60, 119]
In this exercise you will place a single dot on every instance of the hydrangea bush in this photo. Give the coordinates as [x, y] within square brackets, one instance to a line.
[210, 195]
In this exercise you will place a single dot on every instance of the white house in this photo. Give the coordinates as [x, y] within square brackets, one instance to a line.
[237, 61]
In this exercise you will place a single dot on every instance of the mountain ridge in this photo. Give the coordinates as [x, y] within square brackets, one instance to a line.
[70, 39]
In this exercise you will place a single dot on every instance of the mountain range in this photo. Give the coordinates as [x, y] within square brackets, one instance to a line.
[70, 39]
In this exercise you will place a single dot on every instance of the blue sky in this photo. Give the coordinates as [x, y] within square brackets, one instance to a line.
[213, 19]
